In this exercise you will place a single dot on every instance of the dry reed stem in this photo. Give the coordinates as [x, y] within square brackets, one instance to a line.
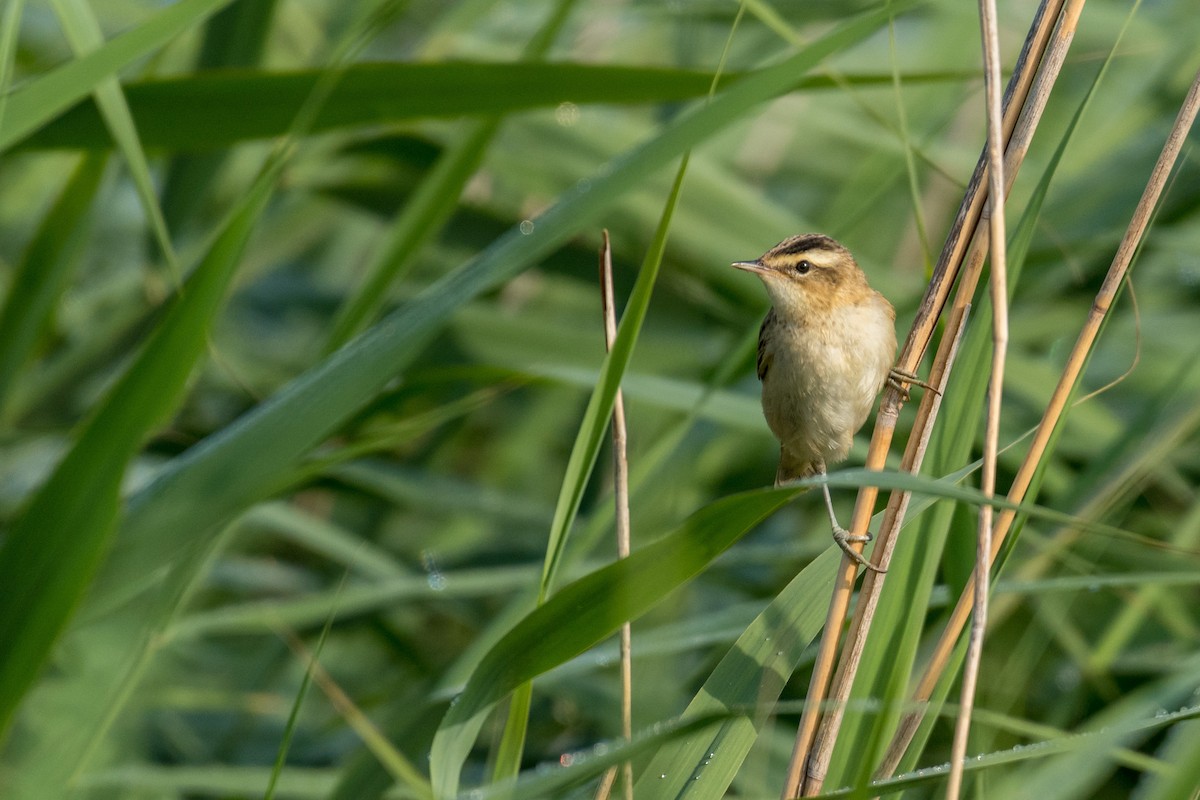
[1019, 140]
[999, 295]
[1054, 410]
[864, 614]
[931, 307]
[621, 498]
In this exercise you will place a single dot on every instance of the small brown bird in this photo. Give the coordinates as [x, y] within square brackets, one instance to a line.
[825, 351]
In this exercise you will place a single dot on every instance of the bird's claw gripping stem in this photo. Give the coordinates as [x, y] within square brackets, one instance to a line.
[898, 379]
[844, 538]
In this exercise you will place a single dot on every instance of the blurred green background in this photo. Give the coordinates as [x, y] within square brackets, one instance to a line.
[200, 202]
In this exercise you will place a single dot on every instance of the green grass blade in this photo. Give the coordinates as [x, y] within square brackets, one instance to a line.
[83, 32]
[595, 424]
[289, 729]
[33, 106]
[747, 682]
[235, 37]
[577, 768]
[257, 456]
[1086, 762]
[55, 545]
[430, 206]
[44, 271]
[587, 611]
[10, 26]
[600, 405]
[423, 216]
[210, 111]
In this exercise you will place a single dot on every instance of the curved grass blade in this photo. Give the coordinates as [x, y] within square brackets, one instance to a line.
[83, 32]
[41, 101]
[289, 728]
[44, 270]
[576, 768]
[747, 682]
[587, 611]
[259, 454]
[431, 205]
[56, 543]
[583, 457]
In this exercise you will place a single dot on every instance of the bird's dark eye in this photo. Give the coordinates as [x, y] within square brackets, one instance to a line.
[804, 266]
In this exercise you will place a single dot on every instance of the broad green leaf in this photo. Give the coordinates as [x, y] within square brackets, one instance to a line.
[746, 682]
[217, 110]
[585, 612]
[53, 548]
[41, 101]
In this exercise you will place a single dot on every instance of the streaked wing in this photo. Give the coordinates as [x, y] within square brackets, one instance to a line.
[764, 354]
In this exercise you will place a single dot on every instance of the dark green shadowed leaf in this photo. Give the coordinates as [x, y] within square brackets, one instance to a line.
[234, 37]
[54, 546]
[44, 270]
[220, 109]
[509, 753]
[431, 205]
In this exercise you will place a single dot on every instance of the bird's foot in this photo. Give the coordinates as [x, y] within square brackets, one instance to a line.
[844, 539]
[899, 379]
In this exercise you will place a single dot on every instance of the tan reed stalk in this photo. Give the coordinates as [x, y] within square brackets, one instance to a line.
[621, 498]
[1054, 410]
[919, 337]
[864, 614]
[999, 294]
[1035, 90]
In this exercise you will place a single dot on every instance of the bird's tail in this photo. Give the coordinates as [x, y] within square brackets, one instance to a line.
[792, 468]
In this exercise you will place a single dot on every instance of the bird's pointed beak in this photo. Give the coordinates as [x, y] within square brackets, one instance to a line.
[751, 266]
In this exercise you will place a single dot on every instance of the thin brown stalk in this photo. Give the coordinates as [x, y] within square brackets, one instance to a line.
[1054, 410]
[932, 304]
[1035, 90]
[621, 498]
[868, 603]
[392, 760]
[999, 294]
